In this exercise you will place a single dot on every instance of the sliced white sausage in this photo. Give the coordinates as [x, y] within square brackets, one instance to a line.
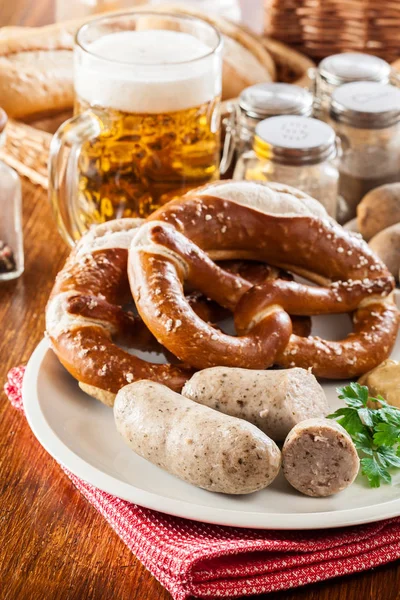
[274, 401]
[200, 445]
[319, 458]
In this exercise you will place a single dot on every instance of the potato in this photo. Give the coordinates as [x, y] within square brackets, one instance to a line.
[386, 244]
[379, 209]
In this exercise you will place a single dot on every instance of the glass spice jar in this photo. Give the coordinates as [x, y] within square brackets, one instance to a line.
[297, 151]
[11, 242]
[366, 117]
[256, 103]
[339, 69]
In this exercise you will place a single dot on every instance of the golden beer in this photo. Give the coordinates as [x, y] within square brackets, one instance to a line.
[146, 125]
[141, 161]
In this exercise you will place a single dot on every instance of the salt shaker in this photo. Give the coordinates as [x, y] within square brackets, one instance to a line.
[297, 151]
[256, 103]
[339, 69]
[11, 242]
[366, 117]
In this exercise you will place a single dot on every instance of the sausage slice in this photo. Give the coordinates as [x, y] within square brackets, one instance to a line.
[319, 458]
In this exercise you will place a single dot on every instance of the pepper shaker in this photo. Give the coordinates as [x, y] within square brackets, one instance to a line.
[11, 241]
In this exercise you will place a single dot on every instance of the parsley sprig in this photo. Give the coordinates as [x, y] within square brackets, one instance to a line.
[374, 426]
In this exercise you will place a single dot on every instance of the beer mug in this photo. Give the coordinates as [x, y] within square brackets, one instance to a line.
[147, 120]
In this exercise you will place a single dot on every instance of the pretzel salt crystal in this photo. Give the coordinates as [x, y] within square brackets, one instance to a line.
[285, 228]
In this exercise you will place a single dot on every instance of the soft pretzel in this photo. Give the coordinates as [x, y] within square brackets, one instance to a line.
[84, 315]
[287, 229]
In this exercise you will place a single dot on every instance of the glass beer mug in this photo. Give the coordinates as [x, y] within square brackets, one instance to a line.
[147, 123]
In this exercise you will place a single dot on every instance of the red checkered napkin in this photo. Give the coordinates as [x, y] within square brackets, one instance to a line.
[208, 561]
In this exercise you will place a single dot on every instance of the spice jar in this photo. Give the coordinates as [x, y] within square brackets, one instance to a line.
[339, 69]
[256, 103]
[11, 244]
[297, 151]
[366, 117]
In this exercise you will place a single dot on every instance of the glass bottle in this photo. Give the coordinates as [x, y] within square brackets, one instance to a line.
[366, 117]
[11, 241]
[256, 103]
[297, 151]
[339, 69]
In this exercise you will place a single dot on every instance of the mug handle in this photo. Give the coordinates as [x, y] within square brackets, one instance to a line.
[62, 170]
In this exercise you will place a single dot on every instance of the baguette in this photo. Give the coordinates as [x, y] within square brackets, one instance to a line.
[36, 71]
[36, 64]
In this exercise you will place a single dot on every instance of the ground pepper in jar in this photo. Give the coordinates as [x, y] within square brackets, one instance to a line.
[339, 69]
[11, 244]
[366, 117]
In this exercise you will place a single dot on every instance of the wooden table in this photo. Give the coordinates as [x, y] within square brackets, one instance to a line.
[53, 544]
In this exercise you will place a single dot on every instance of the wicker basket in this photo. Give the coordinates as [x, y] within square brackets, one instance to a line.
[323, 27]
[27, 151]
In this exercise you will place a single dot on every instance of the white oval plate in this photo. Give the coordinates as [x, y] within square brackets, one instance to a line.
[79, 433]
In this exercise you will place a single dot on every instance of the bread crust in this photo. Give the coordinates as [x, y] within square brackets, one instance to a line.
[36, 76]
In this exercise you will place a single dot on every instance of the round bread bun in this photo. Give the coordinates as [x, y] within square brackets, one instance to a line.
[379, 209]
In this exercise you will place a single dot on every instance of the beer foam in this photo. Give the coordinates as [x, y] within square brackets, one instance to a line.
[143, 72]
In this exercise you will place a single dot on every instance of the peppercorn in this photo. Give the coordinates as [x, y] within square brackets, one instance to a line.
[7, 260]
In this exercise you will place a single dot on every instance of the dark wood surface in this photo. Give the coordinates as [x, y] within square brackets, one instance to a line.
[53, 544]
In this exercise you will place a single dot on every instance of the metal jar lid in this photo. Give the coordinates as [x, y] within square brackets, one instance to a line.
[295, 140]
[354, 66]
[366, 105]
[270, 99]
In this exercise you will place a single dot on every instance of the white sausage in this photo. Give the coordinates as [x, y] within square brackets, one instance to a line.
[274, 401]
[200, 445]
[319, 458]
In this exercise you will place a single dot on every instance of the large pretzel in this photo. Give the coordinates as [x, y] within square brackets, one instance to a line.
[84, 315]
[287, 229]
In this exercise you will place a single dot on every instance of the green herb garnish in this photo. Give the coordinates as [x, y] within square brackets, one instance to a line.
[375, 431]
